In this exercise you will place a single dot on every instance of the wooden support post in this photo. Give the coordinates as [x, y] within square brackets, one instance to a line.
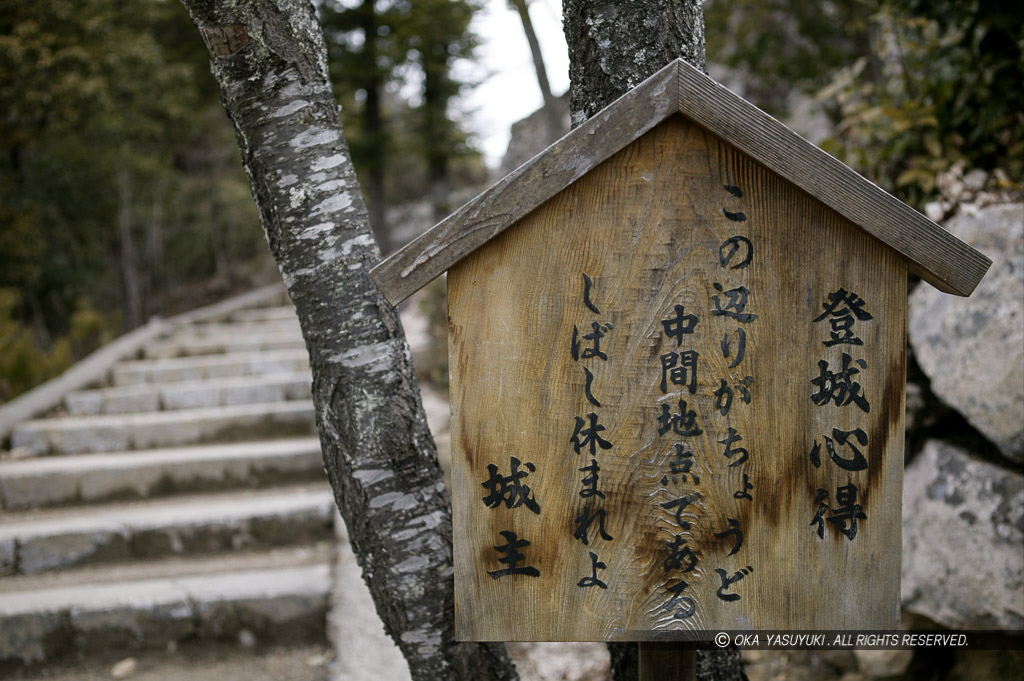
[667, 662]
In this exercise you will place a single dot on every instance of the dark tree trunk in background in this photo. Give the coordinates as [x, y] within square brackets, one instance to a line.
[373, 121]
[269, 59]
[129, 253]
[436, 93]
[554, 122]
[614, 46]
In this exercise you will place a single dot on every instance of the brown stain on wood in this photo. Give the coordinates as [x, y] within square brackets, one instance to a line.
[646, 227]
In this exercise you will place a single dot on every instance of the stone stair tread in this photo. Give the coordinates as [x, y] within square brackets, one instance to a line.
[169, 568]
[231, 331]
[168, 416]
[282, 604]
[147, 458]
[220, 586]
[166, 395]
[264, 313]
[209, 366]
[149, 513]
[203, 329]
[206, 661]
[210, 359]
[60, 539]
[197, 345]
[87, 478]
[149, 430]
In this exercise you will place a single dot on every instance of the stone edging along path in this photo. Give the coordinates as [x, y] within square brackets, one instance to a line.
[93, 368]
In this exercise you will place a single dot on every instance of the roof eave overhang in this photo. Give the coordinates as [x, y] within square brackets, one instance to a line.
[933, 254]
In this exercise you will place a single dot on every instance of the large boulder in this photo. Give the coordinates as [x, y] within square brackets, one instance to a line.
[532, 135]
[963, 540]
[972, 348]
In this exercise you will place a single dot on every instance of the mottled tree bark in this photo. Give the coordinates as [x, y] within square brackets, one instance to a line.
[269, 59]
[614, 46]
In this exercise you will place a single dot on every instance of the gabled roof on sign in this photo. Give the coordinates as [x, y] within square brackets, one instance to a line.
[935, 255]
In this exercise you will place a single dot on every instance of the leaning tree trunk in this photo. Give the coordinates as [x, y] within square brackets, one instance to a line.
[612, 48]
[554, 121]
[270, 62]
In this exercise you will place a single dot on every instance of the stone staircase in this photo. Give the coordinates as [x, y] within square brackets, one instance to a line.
[181, 502]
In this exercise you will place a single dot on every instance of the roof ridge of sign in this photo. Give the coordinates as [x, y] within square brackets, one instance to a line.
[933, 254]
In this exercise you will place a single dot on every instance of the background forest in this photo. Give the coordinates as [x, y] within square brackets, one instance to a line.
[122, 195]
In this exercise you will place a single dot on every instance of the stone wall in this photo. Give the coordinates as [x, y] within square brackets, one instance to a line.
[963, 499]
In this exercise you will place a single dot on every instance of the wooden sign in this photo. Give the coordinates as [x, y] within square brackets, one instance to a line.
[677, 388]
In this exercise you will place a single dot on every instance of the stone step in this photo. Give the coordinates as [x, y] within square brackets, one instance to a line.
[210, 366]
[264, 314]
[120, 432]
[277, 601]
[44, 541]
[213, 328]
[94, 478]
[147, 397]
[191, 345]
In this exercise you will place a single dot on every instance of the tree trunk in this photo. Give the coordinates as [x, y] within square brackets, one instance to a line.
[129, 257]
[436, 93]
[373, 122]
[269, 59]
[612, 48]
[554, 121]
[615, 46]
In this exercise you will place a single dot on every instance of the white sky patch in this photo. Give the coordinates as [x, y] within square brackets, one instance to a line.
[509, 90]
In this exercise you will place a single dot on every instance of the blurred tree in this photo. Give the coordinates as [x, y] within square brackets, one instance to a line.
[391, 63]
[436, 33]
[363, 54]
[550, 106]
[912, 85]
[940, 85]
[115, 181]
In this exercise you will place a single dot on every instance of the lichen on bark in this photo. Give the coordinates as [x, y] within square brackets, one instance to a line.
[269, 59]
[614, 46]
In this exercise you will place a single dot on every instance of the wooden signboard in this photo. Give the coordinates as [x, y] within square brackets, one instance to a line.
[681, 381]
[677, 383]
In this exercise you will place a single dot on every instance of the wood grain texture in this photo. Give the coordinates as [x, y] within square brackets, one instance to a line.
[934, 254]
[525, 188]
[647, 227]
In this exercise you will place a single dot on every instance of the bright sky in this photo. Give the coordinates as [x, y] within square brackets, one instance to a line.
[509, 90]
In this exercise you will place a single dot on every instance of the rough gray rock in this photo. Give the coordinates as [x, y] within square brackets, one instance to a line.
[963, 540]
[972, 348]
[530, 136]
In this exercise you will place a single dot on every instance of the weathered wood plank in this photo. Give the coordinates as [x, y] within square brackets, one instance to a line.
[935, 255]
[527, 187]
[651, 228]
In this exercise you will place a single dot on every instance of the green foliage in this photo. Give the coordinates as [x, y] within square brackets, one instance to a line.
[24, 363]
[949, 91]
[404, 52]
[913, 85]
[116, 161]
[786, 45]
